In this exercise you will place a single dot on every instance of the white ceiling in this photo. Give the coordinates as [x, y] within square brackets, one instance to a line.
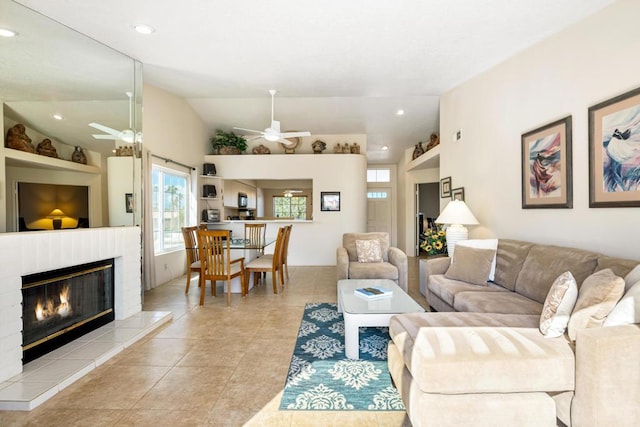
[340, 67]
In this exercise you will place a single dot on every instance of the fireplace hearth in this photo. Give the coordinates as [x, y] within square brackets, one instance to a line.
[61, 305]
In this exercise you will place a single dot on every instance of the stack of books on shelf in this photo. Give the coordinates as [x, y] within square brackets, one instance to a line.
[373, 293]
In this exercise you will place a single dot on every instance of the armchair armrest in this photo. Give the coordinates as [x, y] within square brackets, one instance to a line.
[607, 377]
[398, 258]
[342, 263]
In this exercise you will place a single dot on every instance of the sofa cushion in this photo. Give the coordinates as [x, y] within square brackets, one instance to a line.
[558, 305]
[632, 278]
[509, 259]
[545, 262]
[627, 310]
[380, 270]
[483, 244]
[496, 302]
[471, 265]
[349, 243]
[368, 250]
[480, 359]
[597, 296]
[447, 289]
[620, 266]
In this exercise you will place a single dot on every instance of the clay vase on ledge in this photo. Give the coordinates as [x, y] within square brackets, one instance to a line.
[78, 156]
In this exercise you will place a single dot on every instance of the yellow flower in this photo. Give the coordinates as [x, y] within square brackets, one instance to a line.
[438, 245]
[427, 248]
[441, 233]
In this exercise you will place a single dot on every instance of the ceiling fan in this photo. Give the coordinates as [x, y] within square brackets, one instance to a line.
[273, 133]
[126, 135]
[290, 193]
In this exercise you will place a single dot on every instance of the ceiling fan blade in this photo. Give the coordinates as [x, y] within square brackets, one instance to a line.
[102, 136]
[287, 143]
[295, 134]
[249, 130]
[253, 138]
[105, 129]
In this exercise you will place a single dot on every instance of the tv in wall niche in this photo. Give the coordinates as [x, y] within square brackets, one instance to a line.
[44, 206]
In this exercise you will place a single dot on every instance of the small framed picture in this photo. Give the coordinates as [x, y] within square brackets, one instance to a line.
[546, 166]
[614, 152]
[128, 202]
[457, 194]
[330, 201]
[445, 187]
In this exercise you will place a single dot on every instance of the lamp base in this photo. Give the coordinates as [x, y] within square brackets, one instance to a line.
[455, 233]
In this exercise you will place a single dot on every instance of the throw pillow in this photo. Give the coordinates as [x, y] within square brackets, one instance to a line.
[369, 250]
[558, 305]
[598, 294]
[483, 244]
[632, 278]
[471, 265]
[627, 311]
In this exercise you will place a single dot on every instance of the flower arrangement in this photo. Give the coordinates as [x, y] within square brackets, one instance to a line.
[435, 241]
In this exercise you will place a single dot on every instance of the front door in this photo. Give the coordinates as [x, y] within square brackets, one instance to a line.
[379, 209]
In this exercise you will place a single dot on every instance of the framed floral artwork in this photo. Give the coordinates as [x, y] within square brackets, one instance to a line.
[330, 201]
[445, 187]
[546, 166]
[614, 152]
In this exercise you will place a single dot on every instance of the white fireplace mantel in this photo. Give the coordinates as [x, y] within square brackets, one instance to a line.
[35, 252]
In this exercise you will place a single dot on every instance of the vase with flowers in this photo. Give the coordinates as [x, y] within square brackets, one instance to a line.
[434, 241]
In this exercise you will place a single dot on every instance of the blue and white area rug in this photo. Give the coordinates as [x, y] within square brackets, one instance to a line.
[322, 378]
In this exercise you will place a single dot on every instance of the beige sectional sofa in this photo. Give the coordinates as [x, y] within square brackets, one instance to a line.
[482, 360]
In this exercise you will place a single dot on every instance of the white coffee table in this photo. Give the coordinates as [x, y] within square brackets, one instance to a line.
[358, 312]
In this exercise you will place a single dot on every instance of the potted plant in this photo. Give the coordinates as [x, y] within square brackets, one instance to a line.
[227, 143]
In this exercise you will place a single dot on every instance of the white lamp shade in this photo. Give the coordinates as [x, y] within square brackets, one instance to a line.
[456, 212]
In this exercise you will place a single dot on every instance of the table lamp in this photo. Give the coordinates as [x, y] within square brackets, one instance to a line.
[456, 214]
[56, 216]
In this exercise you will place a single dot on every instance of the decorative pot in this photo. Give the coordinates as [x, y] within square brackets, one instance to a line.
[78, 156]
[227, 149]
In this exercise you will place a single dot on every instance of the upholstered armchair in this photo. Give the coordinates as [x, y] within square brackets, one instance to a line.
[392, 266]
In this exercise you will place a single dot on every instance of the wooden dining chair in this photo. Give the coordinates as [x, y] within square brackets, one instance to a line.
[268, 263]
[193, 257]
[256, 234]
[216, 264]
[285, 251]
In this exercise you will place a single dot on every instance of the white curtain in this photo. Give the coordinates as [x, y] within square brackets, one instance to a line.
[149, 263]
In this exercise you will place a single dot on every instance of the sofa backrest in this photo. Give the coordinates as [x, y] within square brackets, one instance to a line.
[545, 263]
[349, 243]
[620, 267]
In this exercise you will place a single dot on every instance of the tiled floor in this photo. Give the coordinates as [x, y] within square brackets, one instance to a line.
[211, 366]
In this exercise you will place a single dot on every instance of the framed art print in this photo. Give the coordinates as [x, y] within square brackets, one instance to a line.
[546, 166]
[445, 187]
[330, 201]
[614, 152]
[457, 194]
[128, 202]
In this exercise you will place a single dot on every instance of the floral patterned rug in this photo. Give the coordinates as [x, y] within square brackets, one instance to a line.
[322, 378]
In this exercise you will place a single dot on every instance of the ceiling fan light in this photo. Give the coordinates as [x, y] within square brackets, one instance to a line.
[272, 137]
[128, 136]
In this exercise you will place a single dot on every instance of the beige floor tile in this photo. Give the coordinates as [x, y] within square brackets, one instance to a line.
[212, 365]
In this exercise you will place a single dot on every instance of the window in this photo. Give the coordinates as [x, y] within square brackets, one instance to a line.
[378, 175]
[376, 195]
[295, 206]
[169, 210]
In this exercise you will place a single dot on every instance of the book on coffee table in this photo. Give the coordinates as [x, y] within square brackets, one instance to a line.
[371, 293]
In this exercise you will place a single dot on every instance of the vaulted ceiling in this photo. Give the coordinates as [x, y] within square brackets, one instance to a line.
[340, 67]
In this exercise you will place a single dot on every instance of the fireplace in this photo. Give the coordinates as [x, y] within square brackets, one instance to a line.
[61, 305]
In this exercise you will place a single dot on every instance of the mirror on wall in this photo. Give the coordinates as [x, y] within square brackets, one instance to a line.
[61, 88]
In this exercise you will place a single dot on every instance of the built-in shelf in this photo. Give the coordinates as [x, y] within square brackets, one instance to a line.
[429, 160]
[24, 159]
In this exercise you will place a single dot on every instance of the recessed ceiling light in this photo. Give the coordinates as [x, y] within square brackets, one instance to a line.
[144, 29]
[385, 147]
[57, 116]
[400, 112]
[5, 32]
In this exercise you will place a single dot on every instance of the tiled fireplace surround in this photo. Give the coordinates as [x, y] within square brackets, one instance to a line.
[26, 253]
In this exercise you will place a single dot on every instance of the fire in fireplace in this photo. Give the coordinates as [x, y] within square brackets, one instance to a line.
[61, 305]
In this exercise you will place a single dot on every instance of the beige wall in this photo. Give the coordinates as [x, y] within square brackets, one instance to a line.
[590, 62]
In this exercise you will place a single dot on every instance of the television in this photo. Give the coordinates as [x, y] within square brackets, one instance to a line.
[44, 206]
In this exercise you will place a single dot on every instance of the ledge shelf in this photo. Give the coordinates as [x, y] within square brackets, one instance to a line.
[24, 159]
[429, 160]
